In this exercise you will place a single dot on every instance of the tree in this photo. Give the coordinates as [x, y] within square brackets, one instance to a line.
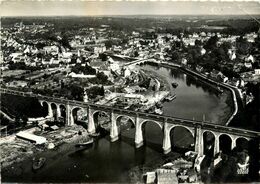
[211, 43]
[243, 46]
[198, 42]
[176, 56]
[95, 91]
[226, 46]
[87, 70]
[101, 76]
[220, 54]
[24, 119]
[108, 44]
[76, 92]
[103, 56]
[136, 54]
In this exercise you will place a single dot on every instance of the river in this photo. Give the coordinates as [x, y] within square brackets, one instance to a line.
[195, 98]
[111, 162]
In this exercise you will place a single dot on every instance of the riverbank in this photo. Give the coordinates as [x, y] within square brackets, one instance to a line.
[15, 150]
[226, 86]
[224, 112]
[136, 174]
[163, 82]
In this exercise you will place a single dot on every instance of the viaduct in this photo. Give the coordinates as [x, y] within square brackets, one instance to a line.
[139, 119]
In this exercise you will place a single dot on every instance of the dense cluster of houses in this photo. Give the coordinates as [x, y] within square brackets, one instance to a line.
[86, 49]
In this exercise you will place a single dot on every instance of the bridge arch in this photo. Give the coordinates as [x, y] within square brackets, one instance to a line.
[101, 118]
[152, 133]
[42, 102]
[45, 107]
[76, 114]
[63, 112]
[182, 138]
[53, 105]
[125, 126]
[118, 117]
[243, 138]
[182, 126]
[54, 108]
[242, 143]
[209, 142]
[151, 121]
[225, 143]
[76, 108]
[210, 131]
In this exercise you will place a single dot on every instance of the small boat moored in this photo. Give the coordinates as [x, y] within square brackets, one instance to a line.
[38, 163]
[159, 105]
[220, 90]
[170, 97]
[158, 111]
[174, 84]
[85, 143]
[95, 134]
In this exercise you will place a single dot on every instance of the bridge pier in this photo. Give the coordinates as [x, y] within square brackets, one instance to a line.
[58, 111]
[114, 128]
[199, 145]
[166, 139]
[138, 134]
[233, 143]
[91, 125]
[50, 112]
[216, 145]
[69, 116]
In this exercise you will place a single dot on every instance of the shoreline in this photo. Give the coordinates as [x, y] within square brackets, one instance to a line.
[27, 157]
[226, 86]
[221, 117]
[26, 149]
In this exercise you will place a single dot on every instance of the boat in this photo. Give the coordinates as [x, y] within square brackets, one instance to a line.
[159, 105]
[85, 143]
[170, 97]
[158, 111]
[220, 90]
[95, 134]
[174, 84]
[38, 163]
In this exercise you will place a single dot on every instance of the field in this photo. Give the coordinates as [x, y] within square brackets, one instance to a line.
[10, 73]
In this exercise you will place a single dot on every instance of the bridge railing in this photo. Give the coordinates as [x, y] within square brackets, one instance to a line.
[169, 119]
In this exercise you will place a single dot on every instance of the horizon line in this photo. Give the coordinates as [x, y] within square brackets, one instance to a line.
[258, 14]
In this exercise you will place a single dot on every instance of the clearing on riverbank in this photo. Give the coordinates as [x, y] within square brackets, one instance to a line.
[17, 150]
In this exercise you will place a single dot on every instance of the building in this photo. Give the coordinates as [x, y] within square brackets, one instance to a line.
[98, 64]
[248, 64]
[250, 58]
[166, 176]
[99, 48]
[257, 71]
[74, 75]
[126, 72]
[51, 49]
[199, 68]
[132, 98]
[233, 56]
[184, 61]
[31, 137]
[17, 83]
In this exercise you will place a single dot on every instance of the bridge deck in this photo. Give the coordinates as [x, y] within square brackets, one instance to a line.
[155, 117]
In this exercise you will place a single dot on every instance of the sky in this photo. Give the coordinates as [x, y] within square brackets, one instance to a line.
[93, 8]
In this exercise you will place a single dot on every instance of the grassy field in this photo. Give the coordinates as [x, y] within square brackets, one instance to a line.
[9, 73]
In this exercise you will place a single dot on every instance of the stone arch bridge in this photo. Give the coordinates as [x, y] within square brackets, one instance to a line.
[166, 123]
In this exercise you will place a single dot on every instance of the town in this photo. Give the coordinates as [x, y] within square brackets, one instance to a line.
[106, 62]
